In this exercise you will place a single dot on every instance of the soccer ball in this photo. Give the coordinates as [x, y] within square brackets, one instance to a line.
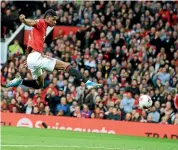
[145, 102]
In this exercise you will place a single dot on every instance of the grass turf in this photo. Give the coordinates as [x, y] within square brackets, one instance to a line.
[42, 139]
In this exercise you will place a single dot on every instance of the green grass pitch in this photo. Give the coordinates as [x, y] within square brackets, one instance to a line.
[42, 139]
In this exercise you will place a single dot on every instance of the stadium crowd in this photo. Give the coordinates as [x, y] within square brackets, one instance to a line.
[129, 47]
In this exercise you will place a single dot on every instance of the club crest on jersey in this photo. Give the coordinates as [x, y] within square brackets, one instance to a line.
[29, 37]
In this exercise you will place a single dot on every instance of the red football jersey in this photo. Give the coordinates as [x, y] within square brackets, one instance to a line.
[37, 36]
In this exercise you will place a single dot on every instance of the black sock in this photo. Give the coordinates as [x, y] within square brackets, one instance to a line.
[31, 83]
[76, 74]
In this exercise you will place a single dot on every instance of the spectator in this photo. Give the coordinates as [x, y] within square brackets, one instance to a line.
[12, 104]
[53, 100]
[154, 115]
[14, 109]
[89, 100]
[143, 116]
[62, 108]
[80, 93]
[19, 105]
[76, 112]
[168, 109]
[37, 14]
[29, 107]
[35, 110]
[128, 117]
[73, 106]
[14, 11]
[163, 76]
[149, 119]
[134, 89]
[41, 108]
[114, 115]
[157, 106]
[8, 22]
[98, 114]
[136, 117]
[102, 107]
[47, 111]
[4, 106]
[164, 120]
[85, 113]
[127, 103]
[157, 96]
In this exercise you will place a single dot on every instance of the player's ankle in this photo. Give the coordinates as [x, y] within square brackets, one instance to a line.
[88, 81]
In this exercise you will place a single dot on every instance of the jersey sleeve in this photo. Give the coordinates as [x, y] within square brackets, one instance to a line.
[40, 23]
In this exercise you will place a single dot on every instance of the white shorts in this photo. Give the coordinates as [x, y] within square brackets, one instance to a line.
[36, 63]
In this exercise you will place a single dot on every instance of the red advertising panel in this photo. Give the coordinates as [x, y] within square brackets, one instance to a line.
[91, 125]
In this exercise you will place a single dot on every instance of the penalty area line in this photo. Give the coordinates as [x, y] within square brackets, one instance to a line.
[65, 146]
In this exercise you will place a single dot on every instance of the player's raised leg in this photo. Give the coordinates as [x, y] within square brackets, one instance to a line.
[60, 65]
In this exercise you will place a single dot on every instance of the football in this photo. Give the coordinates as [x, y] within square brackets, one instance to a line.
[145, 102]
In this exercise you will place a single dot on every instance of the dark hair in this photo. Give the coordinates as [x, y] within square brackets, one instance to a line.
[50, 12]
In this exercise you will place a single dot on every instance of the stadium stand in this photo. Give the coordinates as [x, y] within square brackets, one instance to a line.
[129, 47]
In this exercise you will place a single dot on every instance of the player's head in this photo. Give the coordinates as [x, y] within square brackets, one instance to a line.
[50, 17]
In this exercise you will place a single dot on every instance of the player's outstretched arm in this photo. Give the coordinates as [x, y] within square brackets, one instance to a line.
[27, 22]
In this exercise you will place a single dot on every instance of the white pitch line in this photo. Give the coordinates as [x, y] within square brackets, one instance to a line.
[63, 146]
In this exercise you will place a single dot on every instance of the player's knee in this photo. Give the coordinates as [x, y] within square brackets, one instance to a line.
[40, 84]
[67, 65]
[60, 65]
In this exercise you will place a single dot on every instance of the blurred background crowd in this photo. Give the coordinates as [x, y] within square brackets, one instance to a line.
[129, 47]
